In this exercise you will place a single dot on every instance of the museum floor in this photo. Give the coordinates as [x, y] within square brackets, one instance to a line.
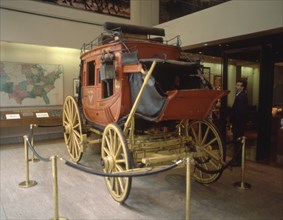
[162, 196]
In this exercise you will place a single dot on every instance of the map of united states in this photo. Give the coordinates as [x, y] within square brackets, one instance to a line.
[22, 81]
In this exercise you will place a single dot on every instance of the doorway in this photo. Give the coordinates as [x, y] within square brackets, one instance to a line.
[255, 65]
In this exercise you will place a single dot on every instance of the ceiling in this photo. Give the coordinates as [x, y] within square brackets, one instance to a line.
[243, 47]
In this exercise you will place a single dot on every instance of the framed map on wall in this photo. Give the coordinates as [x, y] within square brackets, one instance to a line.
[26, 84]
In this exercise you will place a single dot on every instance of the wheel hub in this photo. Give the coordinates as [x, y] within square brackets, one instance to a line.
[108, 163]
[67, 129]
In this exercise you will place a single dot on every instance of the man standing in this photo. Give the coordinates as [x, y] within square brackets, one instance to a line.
[238, 118]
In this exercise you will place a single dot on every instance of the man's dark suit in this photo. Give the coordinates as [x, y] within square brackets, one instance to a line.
[238, 119]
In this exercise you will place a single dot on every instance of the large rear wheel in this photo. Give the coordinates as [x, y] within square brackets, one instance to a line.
[207, 141]
[72, 129]
[115, 159]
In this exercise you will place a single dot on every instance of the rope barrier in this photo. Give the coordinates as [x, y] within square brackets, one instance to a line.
[137, 174]
[40, 126]
[33, 159]
[92, 171]
[89, 170]
[34, 151]
[47, 126]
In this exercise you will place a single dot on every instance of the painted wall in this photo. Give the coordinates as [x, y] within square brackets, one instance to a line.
[230, 19]
[18, 24]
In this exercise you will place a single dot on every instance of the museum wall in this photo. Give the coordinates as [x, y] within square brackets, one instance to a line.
[39, 23]
[230, 19]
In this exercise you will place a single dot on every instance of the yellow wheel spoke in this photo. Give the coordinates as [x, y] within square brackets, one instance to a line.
[115, 141]
[74, 117]
[118, 150]
[73, 129]
[199, 132]
[106, 150]
[69, 109]
[76, 126]
[108, 145]
[205, 136]
[68, 139]
[110, 142]
[210, 142]
[72, 146]
[195, 136]
[66, 110]
[68, 118]
[77, 146]
[117, 186]
[121, 184]
[77, 135]
[111, 181]
[204, 164]
[213, 164]
[119, 168]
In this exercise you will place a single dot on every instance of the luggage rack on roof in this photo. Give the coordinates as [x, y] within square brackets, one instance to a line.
[121, 32]
[99, 40]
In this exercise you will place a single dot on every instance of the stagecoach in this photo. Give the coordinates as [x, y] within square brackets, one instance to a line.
[145, 105]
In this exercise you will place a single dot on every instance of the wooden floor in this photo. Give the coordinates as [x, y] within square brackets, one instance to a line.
[161, 196]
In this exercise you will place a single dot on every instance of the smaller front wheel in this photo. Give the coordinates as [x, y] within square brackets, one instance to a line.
[115, 158]
[72, 129]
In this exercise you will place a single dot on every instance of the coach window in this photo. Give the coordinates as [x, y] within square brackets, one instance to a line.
[107, 88]
[91, 76]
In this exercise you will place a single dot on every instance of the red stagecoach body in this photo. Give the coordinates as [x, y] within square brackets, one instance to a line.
[108, 87]
[144, 105]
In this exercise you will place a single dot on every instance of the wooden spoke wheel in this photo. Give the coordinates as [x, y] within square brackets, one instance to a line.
[115, 159]
[72, 129]
[206, 141]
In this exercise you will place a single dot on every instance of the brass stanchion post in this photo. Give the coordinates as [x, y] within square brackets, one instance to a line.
[188, 188]
[241, 184]
[27, 183]
[55, 189]
[33, 159]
